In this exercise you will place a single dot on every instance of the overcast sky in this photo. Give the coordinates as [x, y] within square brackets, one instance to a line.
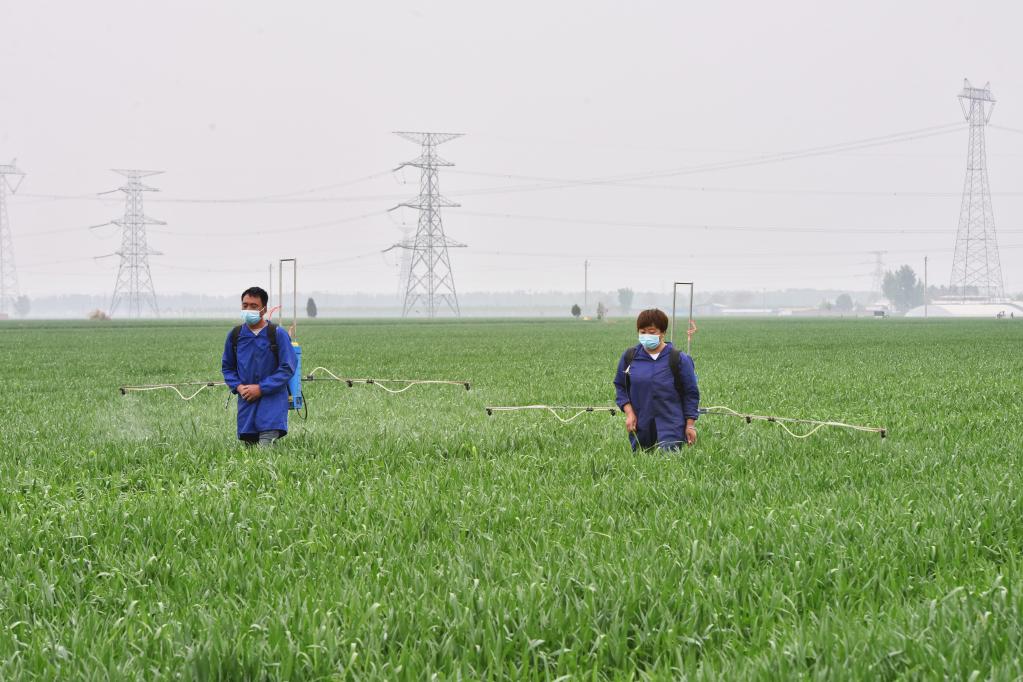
[245, 100]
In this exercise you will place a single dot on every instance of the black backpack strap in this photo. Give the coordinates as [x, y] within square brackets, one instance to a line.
[630, 355]
[235, 333]
[675, 360]
[271, 330]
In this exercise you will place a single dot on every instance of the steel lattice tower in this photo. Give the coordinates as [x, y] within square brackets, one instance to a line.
[976, 264]
[8, 275]
[430, 285]
[134, 286]
[877, 277]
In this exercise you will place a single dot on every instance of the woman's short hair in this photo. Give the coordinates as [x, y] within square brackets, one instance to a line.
[652, 318]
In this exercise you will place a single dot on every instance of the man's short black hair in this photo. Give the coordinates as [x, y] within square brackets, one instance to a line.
[257, 291]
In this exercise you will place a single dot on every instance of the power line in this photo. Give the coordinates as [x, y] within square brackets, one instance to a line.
[702, 255]
[751, 190]
[218, 268]
[710, 227]
[345, 259]
[629, 179]
[543, 183]
[285, 197]
[1006, 129]
[29, 266]
[277, 230]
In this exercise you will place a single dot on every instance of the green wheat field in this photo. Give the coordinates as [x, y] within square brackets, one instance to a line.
[406, 536]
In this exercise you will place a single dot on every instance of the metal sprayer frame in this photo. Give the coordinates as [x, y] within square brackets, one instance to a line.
[674, 301]
[294, 293]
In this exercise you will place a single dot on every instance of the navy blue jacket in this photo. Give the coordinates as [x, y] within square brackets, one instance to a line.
[256, 365]
[661, 413]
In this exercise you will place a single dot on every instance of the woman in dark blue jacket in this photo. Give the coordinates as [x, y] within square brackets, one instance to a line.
[656, 388]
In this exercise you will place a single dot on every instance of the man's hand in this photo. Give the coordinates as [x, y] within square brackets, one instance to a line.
[250, 392]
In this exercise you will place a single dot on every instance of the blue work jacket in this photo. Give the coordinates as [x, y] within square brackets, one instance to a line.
[661, 412]
[256, 364]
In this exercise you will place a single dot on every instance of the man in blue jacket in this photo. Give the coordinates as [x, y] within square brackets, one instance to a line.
[257, 364]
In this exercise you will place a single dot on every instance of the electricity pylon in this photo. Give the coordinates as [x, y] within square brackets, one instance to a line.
[430, 284]
[976, 264]
[134, 285]
[877, 277]
[8, 275]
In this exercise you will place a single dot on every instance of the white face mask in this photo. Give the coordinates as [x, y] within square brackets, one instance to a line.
[250, 317]
[650, 341]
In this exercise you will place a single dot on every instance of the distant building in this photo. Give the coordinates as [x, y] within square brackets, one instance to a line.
[748, 312]
[941, 308]
[705, 309]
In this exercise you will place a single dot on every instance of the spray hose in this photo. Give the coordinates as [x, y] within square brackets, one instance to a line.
[721, 410]
[408, 383]
[202, 386]
[553, 409]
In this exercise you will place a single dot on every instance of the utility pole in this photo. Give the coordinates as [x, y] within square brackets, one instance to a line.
[976, 264]
[586, 285]
[8, 275]
[134, 285]
[430, 282]
[925, 287]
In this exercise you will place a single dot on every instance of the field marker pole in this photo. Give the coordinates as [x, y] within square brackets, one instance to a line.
[296, 399]
[586, 285]
[294, 292]
[674, 299]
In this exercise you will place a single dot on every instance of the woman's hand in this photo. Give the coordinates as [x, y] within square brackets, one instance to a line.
[690, 434]
[630, 418]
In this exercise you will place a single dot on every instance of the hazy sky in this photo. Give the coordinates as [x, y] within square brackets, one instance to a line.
[244, 100]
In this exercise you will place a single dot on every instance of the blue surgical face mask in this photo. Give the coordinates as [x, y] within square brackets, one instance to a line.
[250, 317]
[650, 341]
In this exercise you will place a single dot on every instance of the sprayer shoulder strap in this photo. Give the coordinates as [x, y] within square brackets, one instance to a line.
[675, 360]
[271, 330]
[630, 355]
